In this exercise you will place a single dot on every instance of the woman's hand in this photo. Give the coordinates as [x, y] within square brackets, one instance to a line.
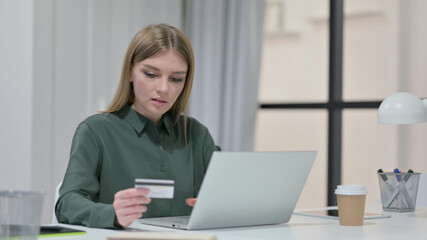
[191, 201]
[129, 205]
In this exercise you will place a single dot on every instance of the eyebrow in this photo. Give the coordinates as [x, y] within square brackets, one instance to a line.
[156, 69]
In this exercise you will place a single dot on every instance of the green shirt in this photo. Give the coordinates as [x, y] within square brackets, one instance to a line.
[110, 150]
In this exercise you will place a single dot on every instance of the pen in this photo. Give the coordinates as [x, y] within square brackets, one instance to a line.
[393, 196]
[385, 179]
[389, 187]
[406, 178]
[396, 170]
[399, 196]
[403, 189]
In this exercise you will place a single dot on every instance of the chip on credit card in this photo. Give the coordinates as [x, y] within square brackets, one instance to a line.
[159, 188]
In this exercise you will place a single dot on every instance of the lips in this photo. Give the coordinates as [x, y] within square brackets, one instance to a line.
[159, 100]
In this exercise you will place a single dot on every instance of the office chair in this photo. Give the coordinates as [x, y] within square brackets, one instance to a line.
[54, 220]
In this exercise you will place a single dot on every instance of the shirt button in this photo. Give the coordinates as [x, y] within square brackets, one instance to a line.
[162, 168]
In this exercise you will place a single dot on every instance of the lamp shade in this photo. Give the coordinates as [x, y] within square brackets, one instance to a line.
[402, 108]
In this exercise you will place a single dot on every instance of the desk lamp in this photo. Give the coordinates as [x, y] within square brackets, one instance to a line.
[402, 108]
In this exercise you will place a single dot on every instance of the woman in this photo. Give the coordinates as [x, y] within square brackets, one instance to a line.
[141, 135]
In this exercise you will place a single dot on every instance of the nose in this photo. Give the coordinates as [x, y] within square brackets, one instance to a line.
[163, 86]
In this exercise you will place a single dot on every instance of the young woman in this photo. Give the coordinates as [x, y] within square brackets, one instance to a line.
[141, 135]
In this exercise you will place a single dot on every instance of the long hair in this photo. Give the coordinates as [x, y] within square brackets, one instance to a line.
[146, 43]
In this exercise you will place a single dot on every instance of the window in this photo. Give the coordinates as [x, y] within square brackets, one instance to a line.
[377, 50]
[293, 89]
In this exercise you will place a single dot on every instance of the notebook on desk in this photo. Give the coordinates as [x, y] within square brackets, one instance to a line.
[246, 189]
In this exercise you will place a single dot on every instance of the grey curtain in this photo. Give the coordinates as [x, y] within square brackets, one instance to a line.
[227, 40]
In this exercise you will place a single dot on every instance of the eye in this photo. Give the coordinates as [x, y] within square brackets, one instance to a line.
[150, 74]
[176, 80]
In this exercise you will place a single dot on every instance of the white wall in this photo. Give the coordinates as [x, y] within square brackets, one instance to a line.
[16, 69]
[60, 62]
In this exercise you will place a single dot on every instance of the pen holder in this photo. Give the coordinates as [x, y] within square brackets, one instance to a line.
[398, 191]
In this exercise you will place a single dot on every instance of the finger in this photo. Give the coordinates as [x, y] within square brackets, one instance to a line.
[138, 209]
[132, 192]
[131, 196]
[125, 216]
[127, 220]
[130, 206]
[124, 202]
[191, 201]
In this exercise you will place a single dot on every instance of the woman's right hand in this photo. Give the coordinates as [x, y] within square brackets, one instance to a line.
[129, 204]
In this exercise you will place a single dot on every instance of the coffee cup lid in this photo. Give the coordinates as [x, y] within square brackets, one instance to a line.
[351, 190]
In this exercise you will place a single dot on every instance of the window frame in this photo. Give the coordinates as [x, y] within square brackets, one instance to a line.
[335, 104]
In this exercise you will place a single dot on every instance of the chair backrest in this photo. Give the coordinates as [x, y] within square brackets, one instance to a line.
[54, 220]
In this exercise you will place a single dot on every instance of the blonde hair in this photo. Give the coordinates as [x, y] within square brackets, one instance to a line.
[146, 43]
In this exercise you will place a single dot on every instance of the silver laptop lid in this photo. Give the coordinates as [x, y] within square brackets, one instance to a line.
[250, 188]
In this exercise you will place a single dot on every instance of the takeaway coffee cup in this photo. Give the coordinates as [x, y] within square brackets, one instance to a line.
[20, 213]
[351, 204]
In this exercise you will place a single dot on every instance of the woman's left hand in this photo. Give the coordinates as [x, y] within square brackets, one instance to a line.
[191, 201]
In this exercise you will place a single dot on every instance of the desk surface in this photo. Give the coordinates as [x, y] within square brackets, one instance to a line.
[412, 225]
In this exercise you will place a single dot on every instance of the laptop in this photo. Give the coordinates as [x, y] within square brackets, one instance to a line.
[246, 189]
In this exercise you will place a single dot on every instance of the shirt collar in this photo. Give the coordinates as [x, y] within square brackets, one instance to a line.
[166, 122]
[139, 122]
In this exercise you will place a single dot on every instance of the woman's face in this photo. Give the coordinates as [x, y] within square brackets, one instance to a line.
[158, 81]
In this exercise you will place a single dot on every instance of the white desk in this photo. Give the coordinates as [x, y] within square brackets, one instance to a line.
[407, 226]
